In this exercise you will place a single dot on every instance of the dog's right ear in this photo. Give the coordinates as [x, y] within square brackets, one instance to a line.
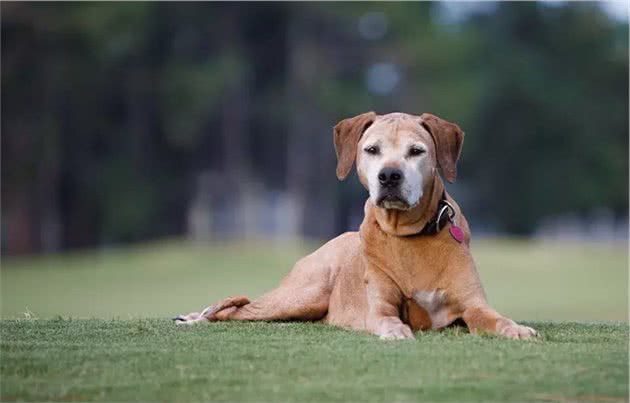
[346, 136]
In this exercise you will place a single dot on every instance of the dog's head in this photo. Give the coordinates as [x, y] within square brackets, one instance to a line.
[397, 154]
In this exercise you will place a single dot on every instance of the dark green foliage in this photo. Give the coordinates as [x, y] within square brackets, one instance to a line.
[110, 111]
[554, 117]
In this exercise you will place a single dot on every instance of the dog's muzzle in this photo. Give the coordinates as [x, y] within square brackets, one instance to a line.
[390, 196]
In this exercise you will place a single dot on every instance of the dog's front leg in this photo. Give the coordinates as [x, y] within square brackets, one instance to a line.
[384, 299]
[485, 319]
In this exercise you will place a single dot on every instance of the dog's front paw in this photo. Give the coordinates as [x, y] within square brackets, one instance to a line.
[517, 332]
[396, 332]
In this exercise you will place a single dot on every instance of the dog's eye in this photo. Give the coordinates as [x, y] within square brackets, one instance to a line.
[415, 151]
[372, 150]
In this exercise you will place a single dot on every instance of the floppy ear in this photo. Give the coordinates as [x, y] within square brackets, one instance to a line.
[448, 138]
[346, 136]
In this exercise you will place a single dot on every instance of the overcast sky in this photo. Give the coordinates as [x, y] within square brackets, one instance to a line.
[453, 12]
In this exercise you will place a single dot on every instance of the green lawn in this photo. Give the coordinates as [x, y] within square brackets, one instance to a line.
[153, 360]
[524, 280]
[47, 353]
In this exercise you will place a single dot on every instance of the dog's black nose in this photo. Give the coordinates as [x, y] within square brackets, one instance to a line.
[390, 177]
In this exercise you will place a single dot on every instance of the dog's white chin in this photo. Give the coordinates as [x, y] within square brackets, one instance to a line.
[401, 205]
[394, 205]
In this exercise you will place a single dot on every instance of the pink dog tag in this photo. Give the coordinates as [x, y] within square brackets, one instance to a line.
[456, 233]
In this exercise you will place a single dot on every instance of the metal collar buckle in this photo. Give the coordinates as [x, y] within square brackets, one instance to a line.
[450, 215]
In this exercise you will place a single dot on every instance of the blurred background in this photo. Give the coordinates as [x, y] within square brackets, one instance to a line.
[159, 155]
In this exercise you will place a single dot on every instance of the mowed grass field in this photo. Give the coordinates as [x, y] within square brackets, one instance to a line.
[523, 279]
[152, 360]
[94, 326]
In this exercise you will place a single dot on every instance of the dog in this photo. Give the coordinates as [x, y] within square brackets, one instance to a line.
[409, 267]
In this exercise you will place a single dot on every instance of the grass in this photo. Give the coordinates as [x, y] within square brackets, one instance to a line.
[524, 280]
[153, 360]
[124, 349]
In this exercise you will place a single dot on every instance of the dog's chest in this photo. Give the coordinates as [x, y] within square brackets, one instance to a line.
[427, 310]
[417, 265]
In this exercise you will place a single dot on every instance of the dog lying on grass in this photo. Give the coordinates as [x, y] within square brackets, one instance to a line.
[409, 267]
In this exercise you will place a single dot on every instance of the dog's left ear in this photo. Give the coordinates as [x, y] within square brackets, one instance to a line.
[346, 136]
[448, 138]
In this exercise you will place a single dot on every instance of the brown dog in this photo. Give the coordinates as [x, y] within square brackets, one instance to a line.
[409, 267]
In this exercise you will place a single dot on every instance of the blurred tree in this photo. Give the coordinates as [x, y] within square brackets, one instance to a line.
[551, 131]
[115, 115]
